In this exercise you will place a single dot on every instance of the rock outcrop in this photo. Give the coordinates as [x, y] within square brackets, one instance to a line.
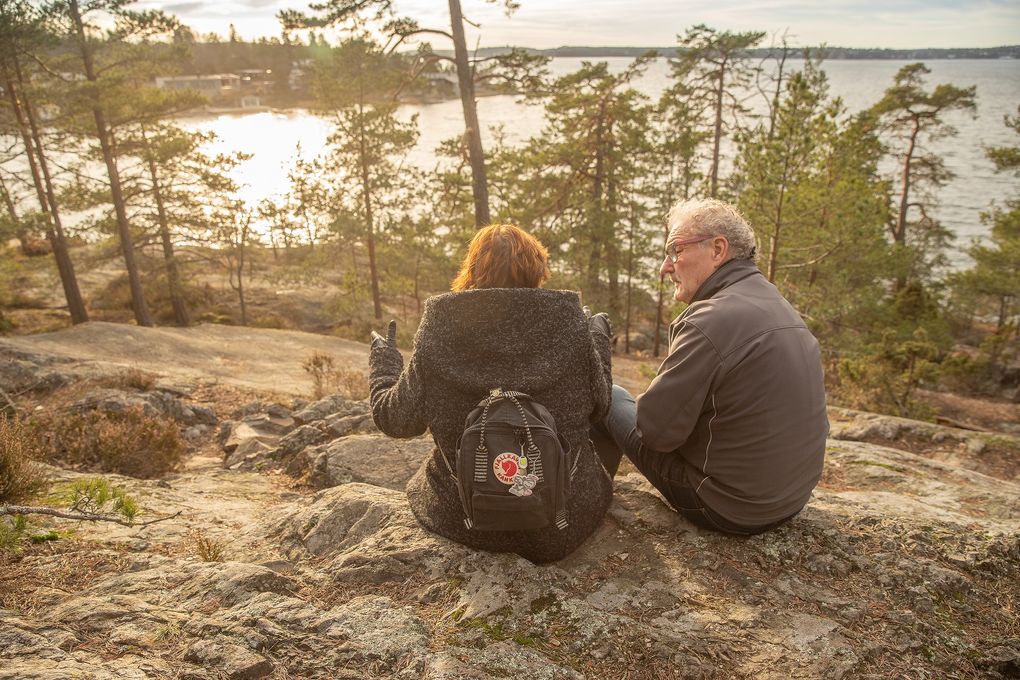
[902, 565]
[898, 563]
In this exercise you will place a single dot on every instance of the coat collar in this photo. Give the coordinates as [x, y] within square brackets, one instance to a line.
[726, 275]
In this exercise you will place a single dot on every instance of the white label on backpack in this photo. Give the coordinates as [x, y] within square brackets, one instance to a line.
[506, 466]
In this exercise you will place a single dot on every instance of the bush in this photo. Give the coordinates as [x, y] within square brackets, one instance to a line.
[129, 442]
[885, 377]
[328, 378]
[132, 378]
[961, 372]
[20, 476]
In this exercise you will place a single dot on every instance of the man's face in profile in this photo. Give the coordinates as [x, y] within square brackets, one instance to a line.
[696, 259]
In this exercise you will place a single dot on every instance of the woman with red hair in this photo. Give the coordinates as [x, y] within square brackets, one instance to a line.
[499, 328]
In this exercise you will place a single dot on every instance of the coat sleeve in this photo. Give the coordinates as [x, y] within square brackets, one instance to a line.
[601, 374]
[668, 411]
[397, 394]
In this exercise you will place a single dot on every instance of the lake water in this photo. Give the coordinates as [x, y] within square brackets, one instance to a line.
[273, 137]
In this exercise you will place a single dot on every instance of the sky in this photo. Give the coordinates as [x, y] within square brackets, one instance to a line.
[656, 23]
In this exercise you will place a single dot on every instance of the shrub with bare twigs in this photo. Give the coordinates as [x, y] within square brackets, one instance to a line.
[129, 442]
[330, 378]
[21, 477]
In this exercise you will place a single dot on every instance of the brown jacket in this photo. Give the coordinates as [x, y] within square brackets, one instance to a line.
[741, 397]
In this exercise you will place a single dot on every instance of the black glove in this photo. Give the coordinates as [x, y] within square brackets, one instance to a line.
[598, 321]
[389, 341]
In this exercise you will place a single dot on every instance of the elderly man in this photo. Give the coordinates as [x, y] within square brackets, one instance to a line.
[732, 428]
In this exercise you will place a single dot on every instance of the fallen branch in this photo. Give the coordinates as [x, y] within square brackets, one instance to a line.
[81, 516]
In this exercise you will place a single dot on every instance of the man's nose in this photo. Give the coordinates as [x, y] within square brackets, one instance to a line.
[666, 267]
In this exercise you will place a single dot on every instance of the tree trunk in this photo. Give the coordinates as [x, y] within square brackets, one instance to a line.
[656, 342]
[597, 201]
[12, 211]
[241, 244]
[612, 247]
[48, 204]
[366, 194]
[472, 131]
[660, 302]
[417, 281]
[630, 281]
[127, 247]
[173, 275]
[773, 115]
[778, 226]
[900, 233]
[717, 140]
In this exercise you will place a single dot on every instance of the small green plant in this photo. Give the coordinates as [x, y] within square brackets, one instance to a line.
[96, 496]
[21, 477]
[10, 534]
[168, 633]
[647, 371]
[15, 530]
[92, 500]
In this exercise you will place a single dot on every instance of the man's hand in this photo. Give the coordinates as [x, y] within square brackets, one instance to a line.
[391, 337]
[598, 321]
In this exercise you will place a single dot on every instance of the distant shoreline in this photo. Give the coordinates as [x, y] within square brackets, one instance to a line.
[850, 53]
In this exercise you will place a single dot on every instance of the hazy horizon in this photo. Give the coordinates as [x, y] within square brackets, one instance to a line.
[547, 24]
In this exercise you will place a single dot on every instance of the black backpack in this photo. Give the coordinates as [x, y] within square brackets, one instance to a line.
[513, 470]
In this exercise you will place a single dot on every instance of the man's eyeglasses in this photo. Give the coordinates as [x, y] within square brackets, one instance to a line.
[674, 248]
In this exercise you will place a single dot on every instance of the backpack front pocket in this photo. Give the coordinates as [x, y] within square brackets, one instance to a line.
[501, 512]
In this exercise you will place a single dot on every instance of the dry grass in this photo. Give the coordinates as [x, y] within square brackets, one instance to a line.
[329, 378]
[129, 442]
[29, 578]
[21, 477]
[133, 378]
[209, 549]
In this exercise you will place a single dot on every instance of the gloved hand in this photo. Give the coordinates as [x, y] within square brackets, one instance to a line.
[389, 341]
[598, 321]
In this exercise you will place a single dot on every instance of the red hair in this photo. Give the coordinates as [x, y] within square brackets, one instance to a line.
[503, 256]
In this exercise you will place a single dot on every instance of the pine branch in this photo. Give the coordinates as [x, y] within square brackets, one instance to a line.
[81, 516]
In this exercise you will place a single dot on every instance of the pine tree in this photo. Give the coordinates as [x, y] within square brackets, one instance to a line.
[580, 182]
[108, 60]
[911, 117]
[355, 13]
[992, 285]
[354, 90]
[712, 66]
[806, 179]
[21, 33]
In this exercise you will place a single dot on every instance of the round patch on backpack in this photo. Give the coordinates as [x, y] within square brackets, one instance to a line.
[506, 466]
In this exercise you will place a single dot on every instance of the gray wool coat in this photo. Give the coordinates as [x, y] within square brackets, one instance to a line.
[525, 339]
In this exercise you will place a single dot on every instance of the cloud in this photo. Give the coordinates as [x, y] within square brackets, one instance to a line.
[550, 23]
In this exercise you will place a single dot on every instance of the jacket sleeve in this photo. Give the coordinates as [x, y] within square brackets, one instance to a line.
[397, 394]
[668, 411]
[601, 372]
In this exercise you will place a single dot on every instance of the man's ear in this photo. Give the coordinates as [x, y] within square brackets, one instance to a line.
[720, 250]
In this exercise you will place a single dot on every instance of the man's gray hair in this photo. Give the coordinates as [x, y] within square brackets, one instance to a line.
[711, 217]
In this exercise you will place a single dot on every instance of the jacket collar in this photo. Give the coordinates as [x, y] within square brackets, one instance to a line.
[726, 275]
